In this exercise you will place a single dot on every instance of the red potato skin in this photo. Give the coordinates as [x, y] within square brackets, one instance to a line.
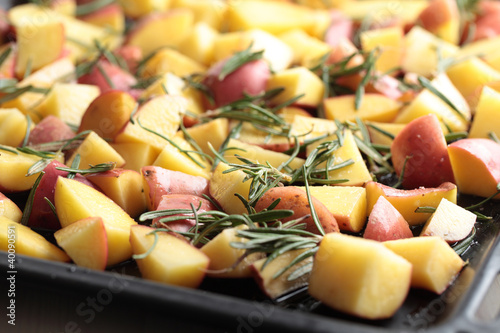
[386, 223]
[121, 80]
[50, 129]
[250, 78]
[159, 181]
[429, 165]
[487, 24]
[182, 201]
[131, 54]
[437, 13]
[295, 199]
[340, 27]
[42, 215]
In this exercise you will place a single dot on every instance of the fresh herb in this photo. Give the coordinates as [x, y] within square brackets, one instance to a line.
[91, 7]
[184, 151]
[5, 54]
[10, 150]
[105, 75]
[360, 90]
[238, 60]
[195, 81]
[14, 92]
[464, 244]
[28, 130]
[101, 167]
[29, 203]
[454, 136]
[494, 137]
[402, 175]
[211, 223]
[276, 241]
[428, 85]
[479, 204]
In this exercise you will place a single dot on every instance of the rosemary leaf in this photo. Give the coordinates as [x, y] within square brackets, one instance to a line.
[101, 167]
[425, 209]
[91, 7]
[29, 203]
[5, 54]
[428, 85]
[28, 130]
[238, 60]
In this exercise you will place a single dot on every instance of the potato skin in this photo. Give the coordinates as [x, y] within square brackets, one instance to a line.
[159, 181]
[295, 199]
[182, 201]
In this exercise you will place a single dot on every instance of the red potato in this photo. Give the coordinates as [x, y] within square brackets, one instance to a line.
[159, 181]
[429, 164]
[8, 66]
[250, 78]
[42, 215]
[120, 79]
[476, 164]
[487, 24]
[442, 18]
[108, 113]
[131, 54]
[340, 27]
[295, 199]
[182, 201]
[50, 129]
[386, 223]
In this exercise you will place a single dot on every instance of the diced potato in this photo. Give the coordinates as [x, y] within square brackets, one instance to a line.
[276, 287]
[95, 150]
[172, 260]
[224, 186]
[346, 203]
[223, 256]
[28, 242]
[359, 276]
[357, 173]
[435, 264]
[173, 158]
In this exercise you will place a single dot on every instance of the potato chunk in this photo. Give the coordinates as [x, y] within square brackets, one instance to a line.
[359, 276]
[435, 264]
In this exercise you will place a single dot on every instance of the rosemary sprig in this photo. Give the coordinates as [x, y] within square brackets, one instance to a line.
[428, 85]
[5, 54]
[13, 92]
[29, 203]
[494, 137]
[38, 153]
[175, 145]
[28, 130]
[479, 204]
[101, 167]
[276, 241]
[92, 6]
[211, 223]
[195, 81]
[382, 131]
[238, 60]
[465, 243]
[8, 149]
